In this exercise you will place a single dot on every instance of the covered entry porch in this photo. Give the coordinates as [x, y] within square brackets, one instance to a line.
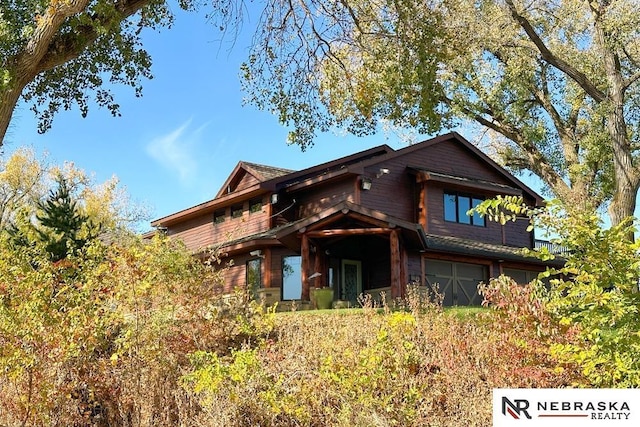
[352, 250]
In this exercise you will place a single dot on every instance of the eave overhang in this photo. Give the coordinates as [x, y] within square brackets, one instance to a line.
[466, 247]
[423, 175]
[324, 178]
[212, 205]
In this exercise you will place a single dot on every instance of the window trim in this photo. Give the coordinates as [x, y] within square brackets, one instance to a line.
[219, 216]
[255, 202]
[250, 286]
[472, 198]
[235, 209]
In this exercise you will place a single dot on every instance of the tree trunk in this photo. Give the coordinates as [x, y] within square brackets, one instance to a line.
[8, 99]
[627, 178]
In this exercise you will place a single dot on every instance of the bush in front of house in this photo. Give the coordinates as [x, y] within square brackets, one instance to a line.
[593, 300]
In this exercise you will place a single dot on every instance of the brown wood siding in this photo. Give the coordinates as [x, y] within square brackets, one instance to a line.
[517, 235]
[235, 275]
[201, 232]
[317, 198]
[514, 234]
[394, 193]
[277, 254]
[451, 158]
[247, 181]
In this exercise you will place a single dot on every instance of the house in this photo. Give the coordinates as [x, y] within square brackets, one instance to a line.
[369, 222]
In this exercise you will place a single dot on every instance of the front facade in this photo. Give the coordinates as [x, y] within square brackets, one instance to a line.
[370, 222]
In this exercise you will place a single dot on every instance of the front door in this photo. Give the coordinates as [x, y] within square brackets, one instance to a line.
[351, 280]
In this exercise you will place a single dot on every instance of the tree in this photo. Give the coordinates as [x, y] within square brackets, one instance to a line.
[60, 210]
[55, 53]
[556, 84]
[21, 183]
[595, 293]
[63, 227]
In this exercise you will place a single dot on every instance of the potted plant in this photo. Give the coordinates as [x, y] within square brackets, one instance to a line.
[321, 297]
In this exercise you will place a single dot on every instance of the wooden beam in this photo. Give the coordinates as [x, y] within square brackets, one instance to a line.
[320, 223]
[370, 220]
[404, 267]
[347, 232]
[422, 207]
[318, 267]
[396, 262]
[304, 252]
[266, 269]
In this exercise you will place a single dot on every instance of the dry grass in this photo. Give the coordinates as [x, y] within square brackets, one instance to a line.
[366, 368]
[419, 366]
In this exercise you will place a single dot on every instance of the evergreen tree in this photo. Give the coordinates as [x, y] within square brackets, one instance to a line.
[62, 226]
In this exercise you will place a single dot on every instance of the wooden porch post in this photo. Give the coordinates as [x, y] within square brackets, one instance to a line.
[404, 267]
[304, 252]
[319, 267]
[266, 269]
[396, 262]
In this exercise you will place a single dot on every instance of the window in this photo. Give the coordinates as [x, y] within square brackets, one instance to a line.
[254, 275]
[236, 211]
[219, 216]
[457, 205]
[291, 277]
[255, 205]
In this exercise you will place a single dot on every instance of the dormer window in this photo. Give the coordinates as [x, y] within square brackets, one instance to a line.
[456, 206]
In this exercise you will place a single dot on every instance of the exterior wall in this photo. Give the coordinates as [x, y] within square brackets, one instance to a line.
[277, 254]
[396, 193]
[247, 181]
[512, 233]
[196, 233]
[201, 231]
[235, 275]
[391, 193]
[317, 198]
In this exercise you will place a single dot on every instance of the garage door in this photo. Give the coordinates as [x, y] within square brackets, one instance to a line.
[457, 281]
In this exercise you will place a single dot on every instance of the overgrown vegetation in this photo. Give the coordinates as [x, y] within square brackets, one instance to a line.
[114, 330]
[589, 314]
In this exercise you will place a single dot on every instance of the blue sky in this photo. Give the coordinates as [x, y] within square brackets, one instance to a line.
[174, 147]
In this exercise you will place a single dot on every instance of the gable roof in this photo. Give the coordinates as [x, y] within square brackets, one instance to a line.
[287, 233]
[460, 140]
[261, 173]
[270, 179]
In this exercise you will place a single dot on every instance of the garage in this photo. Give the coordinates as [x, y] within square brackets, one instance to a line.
[457, 281]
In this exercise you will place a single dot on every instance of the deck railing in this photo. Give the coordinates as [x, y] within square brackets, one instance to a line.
[551, 247]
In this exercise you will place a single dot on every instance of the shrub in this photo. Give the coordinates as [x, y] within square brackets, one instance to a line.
[100, 338]
[595, 294]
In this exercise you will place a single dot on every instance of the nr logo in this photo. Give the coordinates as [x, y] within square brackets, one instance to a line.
[516, 409]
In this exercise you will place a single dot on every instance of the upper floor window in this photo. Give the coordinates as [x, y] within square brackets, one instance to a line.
[457, 205]
[219, 216]
[236, 211]
[255, 205]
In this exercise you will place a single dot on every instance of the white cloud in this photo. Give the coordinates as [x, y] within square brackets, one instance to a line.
[177, 151]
